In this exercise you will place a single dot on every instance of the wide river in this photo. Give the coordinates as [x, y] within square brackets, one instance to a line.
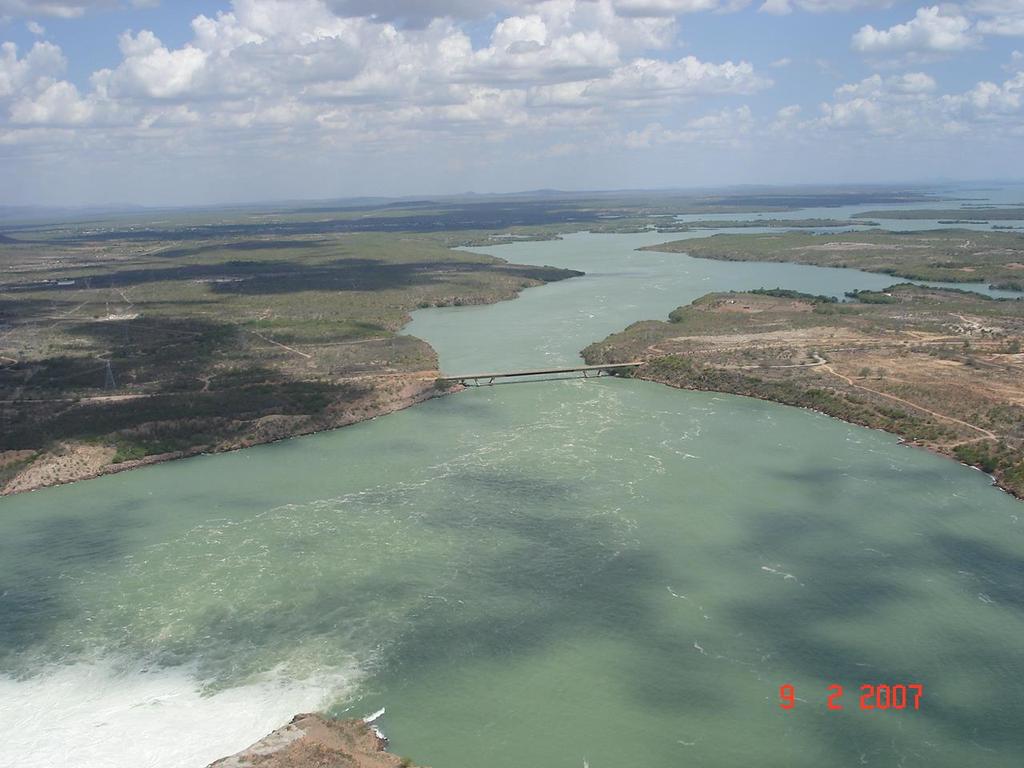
[607, 573]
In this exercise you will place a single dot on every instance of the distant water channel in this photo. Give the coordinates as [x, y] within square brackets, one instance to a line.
[550, 325]
[543, 574]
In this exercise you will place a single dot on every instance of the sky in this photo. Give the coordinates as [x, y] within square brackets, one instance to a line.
[195, 102]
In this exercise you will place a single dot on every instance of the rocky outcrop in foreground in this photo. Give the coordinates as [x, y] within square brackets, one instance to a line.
[313, 741]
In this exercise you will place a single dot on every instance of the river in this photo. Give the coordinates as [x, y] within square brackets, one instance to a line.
[545, 574]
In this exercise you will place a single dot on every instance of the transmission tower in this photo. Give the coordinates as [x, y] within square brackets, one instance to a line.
[109, 382]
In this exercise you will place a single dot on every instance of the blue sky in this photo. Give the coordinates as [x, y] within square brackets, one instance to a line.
[189, 102]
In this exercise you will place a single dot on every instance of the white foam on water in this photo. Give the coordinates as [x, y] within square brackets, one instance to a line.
[102, 715]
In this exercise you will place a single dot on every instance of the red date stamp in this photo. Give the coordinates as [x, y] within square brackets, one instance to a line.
[899, 696]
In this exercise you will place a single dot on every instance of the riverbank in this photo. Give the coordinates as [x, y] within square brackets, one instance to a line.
[73, 461]
[313, 741]
[136, 356]
[943, 370]
[998, 480]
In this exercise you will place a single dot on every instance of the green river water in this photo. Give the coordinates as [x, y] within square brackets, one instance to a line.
[609, 573]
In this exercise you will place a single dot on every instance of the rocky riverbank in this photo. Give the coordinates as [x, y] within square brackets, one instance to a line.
[313, 741]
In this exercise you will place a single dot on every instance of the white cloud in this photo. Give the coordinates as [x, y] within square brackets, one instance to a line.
[650, 83]
[299, 70]
[150, 70]
[287, 75]
[895, 87]
[880, 106]
[783, 7]
[59, 104]
[31, 72]
[66, 9]
[728, 127]
[786, 120]
[35, 28]
[648, 79]
[943, 29]
[286, 81]
[932, 30]
[32, 8]
[672, 7]
[418, 12]
[526, 49]
[909, 107]
[990, 100]
[999, 17]
[913, 82]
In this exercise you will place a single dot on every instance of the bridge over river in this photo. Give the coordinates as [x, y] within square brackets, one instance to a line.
[585, 371]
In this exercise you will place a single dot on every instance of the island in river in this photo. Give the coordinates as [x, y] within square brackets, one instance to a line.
[944, 369]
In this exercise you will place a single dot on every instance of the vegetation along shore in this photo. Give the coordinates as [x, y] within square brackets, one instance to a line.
[145, 336]
[943, 369]
[947, 255]
[131, 339]
[122, 347]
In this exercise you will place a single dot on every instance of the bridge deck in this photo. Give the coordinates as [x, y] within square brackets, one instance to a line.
[542, 372]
